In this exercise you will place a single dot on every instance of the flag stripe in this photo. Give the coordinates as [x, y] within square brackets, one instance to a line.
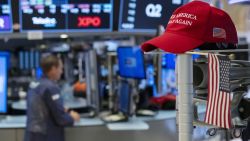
[211, 90]
[217, 78]
[219, 110]
[223, 109]
[209, 97]
[214, 91]
[228, 113]
[208, 118]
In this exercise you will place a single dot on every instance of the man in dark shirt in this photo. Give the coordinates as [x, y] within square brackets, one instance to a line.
[46, 115]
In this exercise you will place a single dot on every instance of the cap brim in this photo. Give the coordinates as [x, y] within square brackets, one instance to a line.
[171, 42]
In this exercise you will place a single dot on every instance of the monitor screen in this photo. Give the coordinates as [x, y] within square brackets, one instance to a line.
[29, 60]
[8, 56]
[3, 84]
[131, 62]
[66, 15]
[239, 1]
[5, 16]
[145, 15]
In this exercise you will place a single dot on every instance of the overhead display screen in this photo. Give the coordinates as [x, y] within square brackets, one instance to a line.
[145, 15]
[239, 1]
[71, 15]
[5, 16]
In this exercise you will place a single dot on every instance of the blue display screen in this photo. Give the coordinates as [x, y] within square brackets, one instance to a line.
[29, 59]
[3, 84]
[5, 16]
[131, 62]
[66, 15]
[145, 15]
[239, 1]
[7, 55]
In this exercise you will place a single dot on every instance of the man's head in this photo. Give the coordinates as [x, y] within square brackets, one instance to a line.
[52, 67]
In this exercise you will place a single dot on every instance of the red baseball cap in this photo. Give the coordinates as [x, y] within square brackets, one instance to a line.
[191, 25]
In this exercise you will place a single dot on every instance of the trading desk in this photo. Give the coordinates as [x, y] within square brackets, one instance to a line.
[159, 128]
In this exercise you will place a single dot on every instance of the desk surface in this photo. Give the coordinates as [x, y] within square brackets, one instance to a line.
[73, 104]
[20, 121]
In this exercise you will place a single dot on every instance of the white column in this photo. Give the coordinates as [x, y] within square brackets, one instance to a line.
[185, 95]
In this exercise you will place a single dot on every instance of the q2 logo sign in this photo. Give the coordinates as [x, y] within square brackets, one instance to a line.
[153, 10]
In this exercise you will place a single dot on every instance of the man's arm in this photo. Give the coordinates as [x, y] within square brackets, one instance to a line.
[55, 104]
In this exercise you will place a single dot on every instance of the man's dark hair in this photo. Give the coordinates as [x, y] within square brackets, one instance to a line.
[48, 62]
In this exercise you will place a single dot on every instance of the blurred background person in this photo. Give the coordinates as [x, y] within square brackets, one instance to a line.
[46, 115]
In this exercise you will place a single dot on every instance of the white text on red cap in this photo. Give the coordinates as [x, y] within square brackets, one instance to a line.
[175, 18]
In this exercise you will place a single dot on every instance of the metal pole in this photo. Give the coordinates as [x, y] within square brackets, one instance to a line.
[185, 90]
[110, 82]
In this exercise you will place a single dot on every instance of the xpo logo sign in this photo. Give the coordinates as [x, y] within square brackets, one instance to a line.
[87, 21]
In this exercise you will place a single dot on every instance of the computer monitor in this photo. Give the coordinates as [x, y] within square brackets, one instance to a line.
[29, 60]
[239, 1]
[135, 13]
[3, 84]
[66, 15]
[7, 55]
[131, 62]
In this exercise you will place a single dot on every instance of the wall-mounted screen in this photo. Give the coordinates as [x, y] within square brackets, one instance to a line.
[239, 1]
[5, 16]
[66, 15]
[3, 83]
[131, 62]
[145, 15]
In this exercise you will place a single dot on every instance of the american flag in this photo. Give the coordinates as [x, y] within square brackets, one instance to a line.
[219, 33]
[218, 100]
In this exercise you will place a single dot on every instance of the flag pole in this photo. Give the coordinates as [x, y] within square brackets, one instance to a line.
[185, 95]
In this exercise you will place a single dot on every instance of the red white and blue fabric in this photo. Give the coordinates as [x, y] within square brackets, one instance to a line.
[219, 99]
[219, 33]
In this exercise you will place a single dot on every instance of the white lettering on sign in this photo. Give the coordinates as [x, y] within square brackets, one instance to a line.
[44, 21]
[128, 26]
[176, 2]
[153, 10]
[1, 23]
